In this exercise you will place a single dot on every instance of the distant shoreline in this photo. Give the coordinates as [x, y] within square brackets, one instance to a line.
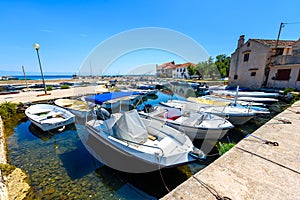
[22, 82]
[46, 77]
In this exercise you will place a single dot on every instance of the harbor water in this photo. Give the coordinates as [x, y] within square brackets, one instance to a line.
[60, 167]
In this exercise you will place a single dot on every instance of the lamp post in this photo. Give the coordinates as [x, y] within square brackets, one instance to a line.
[37, 47]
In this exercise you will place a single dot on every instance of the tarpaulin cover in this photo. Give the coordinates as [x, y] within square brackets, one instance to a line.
[130, 127]
[101, 98]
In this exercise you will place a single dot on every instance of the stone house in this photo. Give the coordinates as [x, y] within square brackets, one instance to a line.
[265, 63]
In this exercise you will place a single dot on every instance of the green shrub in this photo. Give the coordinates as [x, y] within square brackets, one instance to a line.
[288, 90]
[114, 89]
[6, 169]
[64, 87]
[224, 147]
[296, 97]
[49, 88]
[7, 110]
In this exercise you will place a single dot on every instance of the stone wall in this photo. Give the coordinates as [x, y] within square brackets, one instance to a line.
[3, 188]
[15, 185]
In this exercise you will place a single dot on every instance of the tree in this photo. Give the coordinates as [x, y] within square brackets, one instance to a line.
[207, 69]
[223, 64]
[191, 70]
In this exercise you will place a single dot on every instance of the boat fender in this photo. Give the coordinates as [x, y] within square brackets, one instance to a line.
[197, 153]
[61, 129]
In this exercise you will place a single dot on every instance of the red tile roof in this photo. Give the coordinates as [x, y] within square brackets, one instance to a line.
[185, 65]
[171, 65]
[272, 43]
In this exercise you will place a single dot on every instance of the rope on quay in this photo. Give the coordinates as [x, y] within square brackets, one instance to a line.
[297, 112]
[281, 165]
[264, 140]
[280, 121]
[211, 190]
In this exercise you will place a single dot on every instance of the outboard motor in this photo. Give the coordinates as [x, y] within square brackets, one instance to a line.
[148, 108]
[102, 114]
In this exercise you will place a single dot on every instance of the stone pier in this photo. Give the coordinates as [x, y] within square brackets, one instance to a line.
[253, 169]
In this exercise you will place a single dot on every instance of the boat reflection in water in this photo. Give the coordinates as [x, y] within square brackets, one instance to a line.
[47, 135]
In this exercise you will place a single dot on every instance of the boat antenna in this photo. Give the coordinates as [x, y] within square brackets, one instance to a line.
[25, 77]
[236, 94]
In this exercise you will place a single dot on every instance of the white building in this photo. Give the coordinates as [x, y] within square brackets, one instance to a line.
[172, 70]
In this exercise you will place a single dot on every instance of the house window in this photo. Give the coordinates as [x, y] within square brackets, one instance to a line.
[283, 74]
[279, 51]
[253, 74]
[248, 45]
[246, 57]
[235, 77]
[298, 79]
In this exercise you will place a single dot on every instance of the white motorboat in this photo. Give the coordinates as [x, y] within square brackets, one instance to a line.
[77, 107]
[48, 117]
[245, 93]
[235, 113]
[256, 97]
[115, 101]
[265, 100]
[128, 143]
[222, 101]
[196, 125]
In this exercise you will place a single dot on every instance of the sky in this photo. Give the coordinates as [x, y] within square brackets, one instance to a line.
[70, 31]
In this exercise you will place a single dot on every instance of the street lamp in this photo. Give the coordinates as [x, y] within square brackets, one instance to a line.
[37, 47]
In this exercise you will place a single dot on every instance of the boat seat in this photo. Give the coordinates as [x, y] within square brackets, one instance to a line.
[173, 118]
[58, 114]
[152, 137]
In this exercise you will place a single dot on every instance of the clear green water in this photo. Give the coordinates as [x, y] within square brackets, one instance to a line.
[61, 168]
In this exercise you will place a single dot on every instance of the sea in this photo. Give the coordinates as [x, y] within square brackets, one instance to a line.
[60, 167]
[46, 77]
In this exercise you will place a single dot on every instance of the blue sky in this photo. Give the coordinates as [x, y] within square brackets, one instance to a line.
[68, 31]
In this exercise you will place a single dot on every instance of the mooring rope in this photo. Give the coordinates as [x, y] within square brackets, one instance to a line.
[161, 175]
[211, 190]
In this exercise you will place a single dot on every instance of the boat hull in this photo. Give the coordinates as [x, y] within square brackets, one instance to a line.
[193, 132]
[112, 153]
[51, 126]
[200, 133]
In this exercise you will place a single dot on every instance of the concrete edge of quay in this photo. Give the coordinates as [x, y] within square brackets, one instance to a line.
[253, 169]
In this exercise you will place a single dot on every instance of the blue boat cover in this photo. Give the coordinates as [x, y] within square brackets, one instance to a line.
[101, 98]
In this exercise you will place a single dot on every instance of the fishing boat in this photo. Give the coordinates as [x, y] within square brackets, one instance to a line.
[77, 107]
[235, 113]
[195, 124]
[129, 143]
[48, 117]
